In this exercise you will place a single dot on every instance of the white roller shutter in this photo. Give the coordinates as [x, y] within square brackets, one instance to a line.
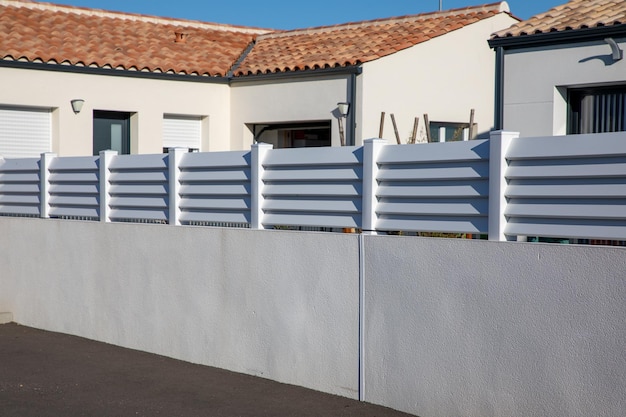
[25, 132]
[182, 131]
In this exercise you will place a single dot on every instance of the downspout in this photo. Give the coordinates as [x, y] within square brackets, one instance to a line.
[351, 141]
[498, 122]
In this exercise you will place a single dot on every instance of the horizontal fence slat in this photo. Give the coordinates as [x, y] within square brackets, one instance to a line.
[138, 162]
[75, 163]
[19, 177]
[215, 203]
[214, 189]
[139, 202]
[288, 219]
[310, 175]
[20, 210]
[190, 177]
[596, 168]
[92, 212]
[477, 207]
[138, 214]
[441, 152]
[303, 189]
[448, 224]
[480, 189]
[78, 200]
[215, 217]
[313, 206]
[19, 199]
[73, 177]
[133, 189]
[434, 172]
[27, 188]
[572, 146]
[138, 177]
[562, 228]
[19, 164]
[215, 160]
[565, 190]
[314, 156]
[593, 209]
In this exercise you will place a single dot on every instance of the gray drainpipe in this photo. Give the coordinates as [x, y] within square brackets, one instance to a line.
[351, 139]
[498, 113]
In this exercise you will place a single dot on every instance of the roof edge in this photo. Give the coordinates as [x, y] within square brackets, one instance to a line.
[499, 7]
[132, 16]
[557, 37]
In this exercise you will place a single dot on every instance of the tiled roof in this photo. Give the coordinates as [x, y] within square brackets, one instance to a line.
[355, 43]
[42, 32]
[576, 14]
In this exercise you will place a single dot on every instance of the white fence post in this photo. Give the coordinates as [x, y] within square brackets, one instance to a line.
[371, 151]
[498, 145]
[259, 151]
[44, 184]
[105, 175]
[173, 164]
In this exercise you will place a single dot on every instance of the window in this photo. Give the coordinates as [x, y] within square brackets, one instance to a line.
[448, 132]
[25, 132]
[182, 132]
[597, 110]
[111, 130]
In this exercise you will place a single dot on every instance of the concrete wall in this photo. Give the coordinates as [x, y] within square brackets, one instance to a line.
[255, 302]
[445, 77]
[536, 81]
[147, 99]
[449, 327]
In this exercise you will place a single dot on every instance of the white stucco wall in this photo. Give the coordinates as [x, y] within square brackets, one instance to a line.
[536, 80]
[279, 305]
[449, 327]
[147, 99]
[475, 328]
[285, 100]
[445, 77]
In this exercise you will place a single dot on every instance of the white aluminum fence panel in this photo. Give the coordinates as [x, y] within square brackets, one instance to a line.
[215, 188]
[139, 188]
[442, 187]
[74, 190]
[567, 187]
[20, 187]
[314, 187]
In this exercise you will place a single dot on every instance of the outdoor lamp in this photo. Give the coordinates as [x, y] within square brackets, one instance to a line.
[77, 105]
[344, 109]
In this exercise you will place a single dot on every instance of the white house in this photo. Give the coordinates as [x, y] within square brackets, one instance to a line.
[148, 83]
[562, 71]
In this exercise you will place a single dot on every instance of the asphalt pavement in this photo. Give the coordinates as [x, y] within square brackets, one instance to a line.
[57, 375]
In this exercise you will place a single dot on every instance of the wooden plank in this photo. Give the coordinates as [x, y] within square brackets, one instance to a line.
[414, 134]
[381, 128]
[427, 126]
[395, 129]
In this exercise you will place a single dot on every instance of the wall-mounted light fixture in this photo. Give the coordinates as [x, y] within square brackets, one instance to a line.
[344, 109]
[77, 105]
[617, 53]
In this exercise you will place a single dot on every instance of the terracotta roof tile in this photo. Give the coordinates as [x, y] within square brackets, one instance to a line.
[50, 33]
[576, 14]
[354, 43]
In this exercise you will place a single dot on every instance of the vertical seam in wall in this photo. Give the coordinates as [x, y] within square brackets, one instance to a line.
[361, 318]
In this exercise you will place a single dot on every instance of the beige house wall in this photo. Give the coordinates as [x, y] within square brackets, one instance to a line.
[146, 99]
[445, 77]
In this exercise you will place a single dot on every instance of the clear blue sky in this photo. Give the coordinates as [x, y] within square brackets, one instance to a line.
[293, 14]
